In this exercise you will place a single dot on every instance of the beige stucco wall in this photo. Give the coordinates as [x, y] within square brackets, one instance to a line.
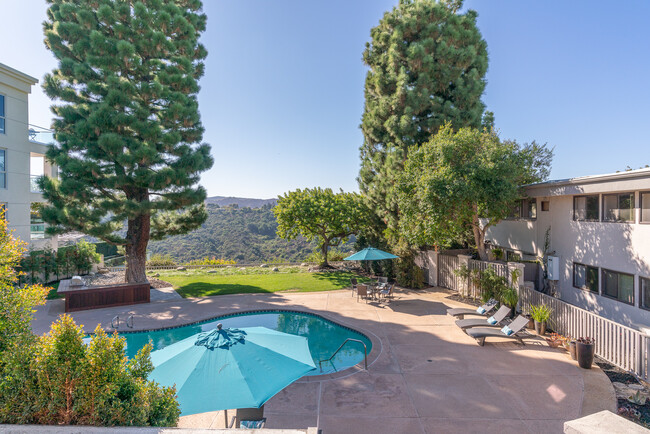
[15, 87]
[623, 247]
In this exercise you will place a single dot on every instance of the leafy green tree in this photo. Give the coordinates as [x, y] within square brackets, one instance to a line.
[320, 214]
[462, 180]
[427, 66]
[127, 121]
[17, 302]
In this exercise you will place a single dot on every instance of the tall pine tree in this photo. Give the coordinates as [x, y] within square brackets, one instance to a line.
[127, 121]
[427, 66]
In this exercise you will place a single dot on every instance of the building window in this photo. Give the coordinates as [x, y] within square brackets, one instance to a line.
[645, 207]
[546, 205]
[619, 286]
[585, 208]
[644, 285]
[3, 168]
[585, 277]
[524, 209]
[618, 207]
[529, 208]
[512, 256]
[37, 225]
[2, 114]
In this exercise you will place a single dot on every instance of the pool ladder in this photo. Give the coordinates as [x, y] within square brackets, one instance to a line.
[365, 353]
[115, 322]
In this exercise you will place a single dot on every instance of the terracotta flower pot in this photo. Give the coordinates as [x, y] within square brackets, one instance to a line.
[540, 327]
[585, 354]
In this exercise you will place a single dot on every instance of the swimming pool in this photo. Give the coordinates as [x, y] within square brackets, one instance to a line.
[324, 336]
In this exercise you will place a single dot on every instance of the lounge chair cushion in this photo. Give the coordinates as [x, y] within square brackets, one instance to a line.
[491, 320]
[481, 310]
[506, 331]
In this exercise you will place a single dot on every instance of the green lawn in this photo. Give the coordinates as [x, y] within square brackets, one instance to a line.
[201, 284]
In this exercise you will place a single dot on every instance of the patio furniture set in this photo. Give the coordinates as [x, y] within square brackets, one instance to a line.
[373, 290]
[493, 326]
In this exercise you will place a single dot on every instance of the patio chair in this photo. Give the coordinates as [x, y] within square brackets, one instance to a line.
[387, 292]
[353, 283]
[382, 280]
[483, 310]
[510, 331]
[362, 291]
[493, 321]
[248, 418]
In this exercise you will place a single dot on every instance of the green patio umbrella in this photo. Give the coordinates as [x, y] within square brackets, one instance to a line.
[231, 368]
[370, 254]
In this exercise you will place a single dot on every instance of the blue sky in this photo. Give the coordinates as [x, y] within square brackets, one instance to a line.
[282, 97]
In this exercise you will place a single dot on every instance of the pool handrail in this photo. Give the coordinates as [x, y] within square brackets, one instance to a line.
[365, 353]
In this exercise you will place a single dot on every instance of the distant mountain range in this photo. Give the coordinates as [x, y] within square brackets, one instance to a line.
[240, 202]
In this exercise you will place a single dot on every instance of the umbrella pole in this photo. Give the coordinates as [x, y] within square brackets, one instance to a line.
[225, 415]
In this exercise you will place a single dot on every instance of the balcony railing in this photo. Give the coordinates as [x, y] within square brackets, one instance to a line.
[33, 184]
[37, 231]
[40, 135]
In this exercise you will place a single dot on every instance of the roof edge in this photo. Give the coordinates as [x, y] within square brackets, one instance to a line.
[591, 179]
[18, 75]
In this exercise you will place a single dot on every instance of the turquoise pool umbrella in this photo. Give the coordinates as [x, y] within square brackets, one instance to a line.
[231, 368]
[370, 254]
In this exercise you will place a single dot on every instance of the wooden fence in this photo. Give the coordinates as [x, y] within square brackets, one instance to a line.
[620, 345]
[447, 264]
[447, 278]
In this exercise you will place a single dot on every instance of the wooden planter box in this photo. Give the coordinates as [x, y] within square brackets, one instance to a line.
[95, 297]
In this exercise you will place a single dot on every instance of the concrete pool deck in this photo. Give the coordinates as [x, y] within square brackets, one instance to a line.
[425, 374]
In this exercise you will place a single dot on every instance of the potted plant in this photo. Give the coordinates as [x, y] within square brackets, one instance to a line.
[555, 341]
[541, 314]
[572, 349]
[585, 350]
[509, 297]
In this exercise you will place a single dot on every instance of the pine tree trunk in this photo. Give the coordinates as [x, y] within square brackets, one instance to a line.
[136, 251]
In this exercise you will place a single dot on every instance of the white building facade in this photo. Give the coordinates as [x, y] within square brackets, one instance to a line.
[600, 231]
[22, 159]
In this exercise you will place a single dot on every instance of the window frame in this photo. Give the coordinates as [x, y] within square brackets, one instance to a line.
[520, 208]
[618, 195]
[575, 198]
[548, 205]
[641, 298]
[641, 193]
[4, 173]
[607, 270]
[4, 113]
[586, 288]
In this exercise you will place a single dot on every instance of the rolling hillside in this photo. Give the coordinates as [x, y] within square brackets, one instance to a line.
[243, 234]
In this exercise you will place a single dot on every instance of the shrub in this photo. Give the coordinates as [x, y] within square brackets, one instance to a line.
[78, 258]
[158, 260]
[60, 380]
[212, 261]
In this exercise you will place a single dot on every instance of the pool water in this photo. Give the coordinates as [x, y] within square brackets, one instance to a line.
[324, 336]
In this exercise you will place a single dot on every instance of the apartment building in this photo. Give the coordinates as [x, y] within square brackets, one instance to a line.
[22, 159]
[599, 231]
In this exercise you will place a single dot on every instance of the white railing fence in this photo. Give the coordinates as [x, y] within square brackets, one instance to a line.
[620, 345]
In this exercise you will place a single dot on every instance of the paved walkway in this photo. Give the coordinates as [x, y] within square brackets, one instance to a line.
[425, 375]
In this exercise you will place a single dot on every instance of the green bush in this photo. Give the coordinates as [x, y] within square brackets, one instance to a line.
[57, 379]
[46, 264]
[212, 261]
[158, 260]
